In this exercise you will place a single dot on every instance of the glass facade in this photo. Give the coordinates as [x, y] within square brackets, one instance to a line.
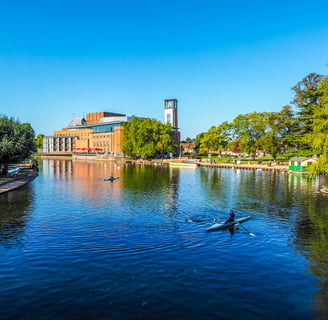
[105, 128]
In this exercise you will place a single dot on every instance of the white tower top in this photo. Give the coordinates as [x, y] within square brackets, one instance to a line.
[171, 112]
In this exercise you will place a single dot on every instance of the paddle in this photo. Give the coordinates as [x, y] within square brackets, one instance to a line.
[201, 220]
[250, 233]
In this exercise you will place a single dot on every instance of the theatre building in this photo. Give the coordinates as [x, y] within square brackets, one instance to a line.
[102, 132]
[99, 132]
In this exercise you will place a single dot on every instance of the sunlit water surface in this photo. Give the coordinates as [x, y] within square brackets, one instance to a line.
[74, 246]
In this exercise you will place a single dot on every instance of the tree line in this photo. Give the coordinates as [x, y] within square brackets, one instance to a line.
[298, 129]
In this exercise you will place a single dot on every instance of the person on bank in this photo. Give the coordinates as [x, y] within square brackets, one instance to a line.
[231, 217]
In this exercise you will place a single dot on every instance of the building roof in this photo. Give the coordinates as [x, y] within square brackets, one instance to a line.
[76, 122]
[299, 158]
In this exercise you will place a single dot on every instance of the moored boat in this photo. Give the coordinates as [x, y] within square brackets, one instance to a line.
[12, 170]
[183, 164]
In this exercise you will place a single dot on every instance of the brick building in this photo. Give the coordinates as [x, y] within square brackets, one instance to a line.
[99, 132]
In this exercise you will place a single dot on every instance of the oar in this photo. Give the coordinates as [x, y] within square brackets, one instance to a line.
[201, 220]
[250, 233]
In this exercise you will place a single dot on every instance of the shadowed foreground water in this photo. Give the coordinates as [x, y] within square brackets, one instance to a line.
[76, 247]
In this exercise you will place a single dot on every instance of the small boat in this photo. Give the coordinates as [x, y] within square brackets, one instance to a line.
[111, 178]
[183, 164]
[12, 171]
[222, 225]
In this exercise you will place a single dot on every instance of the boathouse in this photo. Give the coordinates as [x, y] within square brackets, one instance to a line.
[301, 164]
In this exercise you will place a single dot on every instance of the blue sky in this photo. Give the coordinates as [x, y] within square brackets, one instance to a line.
[60, 59]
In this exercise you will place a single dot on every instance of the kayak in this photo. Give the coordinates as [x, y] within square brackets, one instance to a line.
[222, 225]
[111, 179]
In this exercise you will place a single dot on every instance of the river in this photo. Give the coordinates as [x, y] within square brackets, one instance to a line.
[74, 246]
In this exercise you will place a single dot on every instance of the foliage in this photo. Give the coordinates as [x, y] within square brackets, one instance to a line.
[16, 141]
[301, 132]
[279, 131]
[319, 136]
[147, 137]
[306, 99]
[199, 138]
[39, 141]
[248, 130]
[215, 139]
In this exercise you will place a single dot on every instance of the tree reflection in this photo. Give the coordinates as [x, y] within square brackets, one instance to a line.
[14, 214]
[311, 239]
[293, 199]
[153, 185]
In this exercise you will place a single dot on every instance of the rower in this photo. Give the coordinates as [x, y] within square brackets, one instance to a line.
[231, 217]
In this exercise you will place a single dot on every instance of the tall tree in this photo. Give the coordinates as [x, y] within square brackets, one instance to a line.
[147, 137]
[16, 141]
[278, 134]
[248, 130]
[289, 127]
[306, 99]
[319, 136]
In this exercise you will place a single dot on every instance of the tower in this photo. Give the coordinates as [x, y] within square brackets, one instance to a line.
[171, 112]
[171, 116]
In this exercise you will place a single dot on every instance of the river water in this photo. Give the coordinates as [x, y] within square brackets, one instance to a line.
[74, 246]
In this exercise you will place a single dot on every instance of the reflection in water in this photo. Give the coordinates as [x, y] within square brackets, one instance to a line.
[84, 180]
[15, 207]
[138, 245]
[311, 237]
[291, 198]
[154, 185]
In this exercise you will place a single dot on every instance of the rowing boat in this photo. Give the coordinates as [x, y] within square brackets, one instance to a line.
[222, 225]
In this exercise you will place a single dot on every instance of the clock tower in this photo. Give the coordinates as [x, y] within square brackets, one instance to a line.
[171, 116]
[171, 112]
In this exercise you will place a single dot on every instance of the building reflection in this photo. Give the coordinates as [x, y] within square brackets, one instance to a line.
[85, 179]
[171, 198]
[15, 210]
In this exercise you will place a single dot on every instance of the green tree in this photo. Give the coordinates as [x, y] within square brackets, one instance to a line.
[319, 136]
[215, 139]
[248, 130]
[306, 99]
[39, 141]
[16, 142]
[288, 127]
[147, 137]
[278, 133]
[198, 138]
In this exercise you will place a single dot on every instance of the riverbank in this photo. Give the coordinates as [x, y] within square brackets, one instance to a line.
[258, 167]
[11, 183]
[165, 162]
